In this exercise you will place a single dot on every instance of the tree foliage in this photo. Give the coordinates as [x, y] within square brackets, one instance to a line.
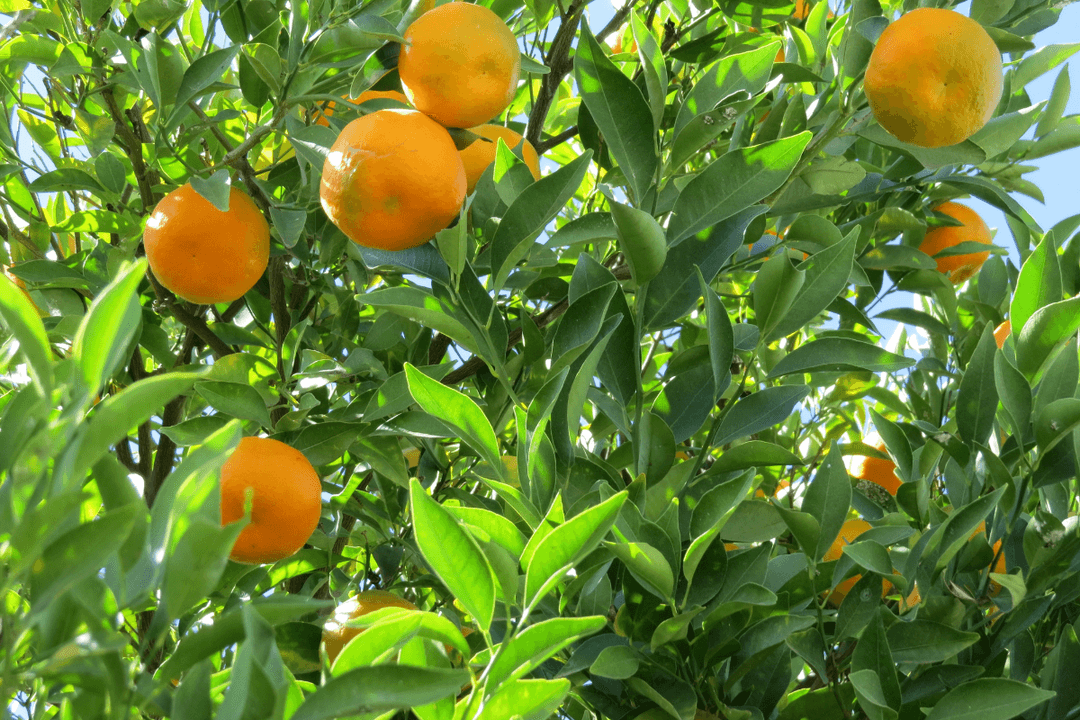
[632, 405]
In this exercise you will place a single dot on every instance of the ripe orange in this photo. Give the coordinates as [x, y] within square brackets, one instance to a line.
[323, 114]
[412, 457]
[460, 64]
[850, 530]
[202, 254]
[934, 78]
[1001, 332]
[876, 470]
[959, 268]
[477, 156]
[392, 179]
[286, 499]
[336, 633]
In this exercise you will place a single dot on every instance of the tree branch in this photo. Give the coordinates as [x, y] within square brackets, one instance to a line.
[559, 64]
[556, 140]
[194, 323]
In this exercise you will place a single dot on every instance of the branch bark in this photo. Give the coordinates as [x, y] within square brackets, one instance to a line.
[559, 64]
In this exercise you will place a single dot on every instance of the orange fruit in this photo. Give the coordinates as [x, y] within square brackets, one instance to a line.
[392, 179]
[934, 78]
[913, 598]
[412, 457]
[322, 115]
[876, 470]
[1001, 332]
[286, 499]
[850, 530]
[478, 155]
[620, 42]
[959, 268]
[460, 64]
[336, 633]
[204, 255]
[730, 547]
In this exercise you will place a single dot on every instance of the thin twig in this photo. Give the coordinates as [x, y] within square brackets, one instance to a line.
[559, 64]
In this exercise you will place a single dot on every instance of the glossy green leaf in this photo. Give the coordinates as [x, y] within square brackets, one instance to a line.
[988, 699]
[825, 275]
[1045, 329]
[641, 239]
[454, 555]
[926, 641]
[380, 688]
[567, 544]
[836, 354]
[458, 411]
[759, 411]
[21, 319]
[828, 499]
[977, 399]
[731, 183]
[535, 644]
[620, 111]
[525, 699]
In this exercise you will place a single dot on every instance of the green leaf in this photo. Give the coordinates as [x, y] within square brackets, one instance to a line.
[567, 544]
[526, 650]
[200, 75]
[653, 66]
[837, 354]
[721, 335]
[759, 411]
[825, 275]
[747, 72]
[79, 553]
[424, 308]
[65, 180]
[910, 316]
[641, 240]
[21, 319]
[675, 291]
[493, 525]
[239, 401]
[378, 689]
[686, 402]
[867, 686]
[617, 662]
[1015, 394]
[977, 399]
[775, 287]
[733, 182]
[873, 653]
[458, 411]
[1039, 283]
[1055, 107]
[379, 641]
[647, 564]
[754, 453]
[988, 699]
[534, 208]
[870, 555]
[1045, 329]
[194, 567]
[115, 416]
[828, 499]
[620, 112]
[526, 699]
[925, 641]
[102, 343]
[1055, 422]
[1041, 61]
[454, 555]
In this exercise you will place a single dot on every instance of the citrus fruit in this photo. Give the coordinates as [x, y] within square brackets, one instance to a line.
[286, 499]
[18, 283]
[336, 633]
[479, 154]
[934, 78]
[322, 115]
[205, 255]
[1001, 332]
[460, 64]
[876, 470]
[850, 530]
[392, 179]
[958, 268]
[412, 457]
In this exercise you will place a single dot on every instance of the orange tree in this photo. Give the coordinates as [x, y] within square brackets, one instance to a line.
[567, 399]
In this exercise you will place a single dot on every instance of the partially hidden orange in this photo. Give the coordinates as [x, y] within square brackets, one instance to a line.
[958, 268]
[480, 154]
[460, 64]
[874, 469]
[849, 531]
[205, 255]
[934, 78]
[392, 179]
[328, 111]
[336, 631]
[286, 499]
[1001, 333]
